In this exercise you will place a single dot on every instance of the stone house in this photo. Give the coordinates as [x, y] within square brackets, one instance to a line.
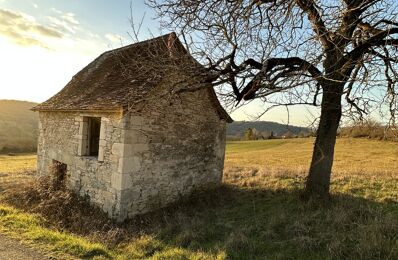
[135, 130]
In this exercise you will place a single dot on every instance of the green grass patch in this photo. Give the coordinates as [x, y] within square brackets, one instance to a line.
[31, 228]
[248, 146]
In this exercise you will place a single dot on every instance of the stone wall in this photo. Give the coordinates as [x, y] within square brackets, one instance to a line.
[172, 147]
[59, 139]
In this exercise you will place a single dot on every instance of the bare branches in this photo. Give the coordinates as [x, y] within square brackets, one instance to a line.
[282, 67]
[350, 86]
[293, 51]
[318, 24]
[373, 37]
[136, 28]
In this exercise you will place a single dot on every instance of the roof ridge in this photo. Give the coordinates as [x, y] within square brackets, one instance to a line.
[135, 44]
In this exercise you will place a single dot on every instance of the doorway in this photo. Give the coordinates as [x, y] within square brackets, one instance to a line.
[58, 171]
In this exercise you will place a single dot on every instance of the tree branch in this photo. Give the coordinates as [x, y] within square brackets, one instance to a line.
[315, 18]
[291, 64]
[374, 41]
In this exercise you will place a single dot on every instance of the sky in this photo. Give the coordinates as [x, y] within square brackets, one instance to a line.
[43, 43]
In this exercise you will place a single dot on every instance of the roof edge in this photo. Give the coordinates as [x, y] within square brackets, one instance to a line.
[219, 108]
[118, 110]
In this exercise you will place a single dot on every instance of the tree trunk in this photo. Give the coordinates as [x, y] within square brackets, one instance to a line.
[318, 180]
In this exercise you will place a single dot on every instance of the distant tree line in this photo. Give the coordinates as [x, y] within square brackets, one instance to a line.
[369, 129]
[252, 133]
[366, 129]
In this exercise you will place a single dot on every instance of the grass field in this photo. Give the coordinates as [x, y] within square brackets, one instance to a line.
[352, 156]
[257, 214]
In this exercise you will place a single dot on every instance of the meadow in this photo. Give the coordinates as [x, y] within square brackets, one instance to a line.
[18, 127]
[258, 213]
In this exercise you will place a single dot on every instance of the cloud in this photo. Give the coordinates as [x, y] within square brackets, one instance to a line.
[62, 25]
[46, 31]
[70, 17]
[9, 15]
[65, 22]
[23, 40]
[55, 33]
[56, 10]
[115, 38]
[23, 29]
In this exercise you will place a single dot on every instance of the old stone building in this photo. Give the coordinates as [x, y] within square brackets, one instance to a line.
[136, 129]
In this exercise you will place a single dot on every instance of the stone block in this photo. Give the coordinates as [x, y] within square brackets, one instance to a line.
[81, 163]
[134, 136]
[67, 158]
[123, 150]
[136, 120]
[121, 181]
[103, 129]
[129, 164]
[123, 123]
[52, 154]
[129, 150]
[118, 149]
[80, 137]
[138, 148]
[83, 128]
[101, 153]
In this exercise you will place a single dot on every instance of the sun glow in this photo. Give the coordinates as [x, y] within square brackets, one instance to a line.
[40, 54]
[34, 73]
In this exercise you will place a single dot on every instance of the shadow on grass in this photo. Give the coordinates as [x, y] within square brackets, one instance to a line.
[259, 223]
[234, 222]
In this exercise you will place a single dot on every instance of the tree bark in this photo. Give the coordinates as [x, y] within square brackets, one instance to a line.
[318, 180]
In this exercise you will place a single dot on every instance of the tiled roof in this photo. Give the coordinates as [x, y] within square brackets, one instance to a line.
[123, 76]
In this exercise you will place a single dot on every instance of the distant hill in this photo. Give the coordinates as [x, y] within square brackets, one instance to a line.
[238, 128]
[18, 126]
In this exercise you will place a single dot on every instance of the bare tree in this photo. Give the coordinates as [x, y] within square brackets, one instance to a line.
[340, 55]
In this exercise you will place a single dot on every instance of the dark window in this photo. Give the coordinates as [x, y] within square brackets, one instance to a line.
[94, 126]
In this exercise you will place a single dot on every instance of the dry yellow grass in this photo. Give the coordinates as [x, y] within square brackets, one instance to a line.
[352, 156]
[256, 214]
[18, 163]
[362, 167]
[16, 169]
